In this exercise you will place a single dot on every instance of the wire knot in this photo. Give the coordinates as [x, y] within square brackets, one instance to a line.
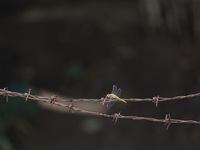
[103, 100]
[116, 117]
[167, 121]
[53, 99]
[156, 100]
[27, 94]
[71, 108]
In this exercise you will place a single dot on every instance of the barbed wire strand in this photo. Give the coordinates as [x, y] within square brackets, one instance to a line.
[154, 99]
[53, 100]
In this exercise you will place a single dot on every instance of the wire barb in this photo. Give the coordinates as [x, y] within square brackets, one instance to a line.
[53, 99]
[103, 100]
[71, 108]
[115, 117]
[27, 94]
[156, 100]
[167, 121]
[5, 94]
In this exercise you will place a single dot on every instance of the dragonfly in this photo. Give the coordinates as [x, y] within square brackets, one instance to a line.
[115, 95]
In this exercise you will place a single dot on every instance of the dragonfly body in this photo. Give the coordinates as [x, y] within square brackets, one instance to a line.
[113, 96]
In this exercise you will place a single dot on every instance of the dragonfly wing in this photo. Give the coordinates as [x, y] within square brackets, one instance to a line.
[118, 93]
[114, 90]
[110, 104]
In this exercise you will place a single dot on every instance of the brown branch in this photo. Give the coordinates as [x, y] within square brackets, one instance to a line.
[54, 100]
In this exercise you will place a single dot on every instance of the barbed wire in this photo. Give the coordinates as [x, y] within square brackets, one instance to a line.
[155, 99]
[55, 100]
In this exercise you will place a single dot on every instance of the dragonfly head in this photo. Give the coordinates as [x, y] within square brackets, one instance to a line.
[108, 96]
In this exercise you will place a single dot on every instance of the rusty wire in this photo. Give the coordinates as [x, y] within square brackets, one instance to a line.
[55, 100]
[156, 99]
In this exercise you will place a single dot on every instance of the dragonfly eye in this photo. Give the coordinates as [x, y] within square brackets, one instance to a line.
[107, 96]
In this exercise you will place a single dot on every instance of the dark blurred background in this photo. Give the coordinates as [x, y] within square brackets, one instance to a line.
[79, 49]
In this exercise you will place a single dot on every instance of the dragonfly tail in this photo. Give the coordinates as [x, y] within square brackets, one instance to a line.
[122, 100]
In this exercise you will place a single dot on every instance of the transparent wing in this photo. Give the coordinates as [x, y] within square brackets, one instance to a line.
[119, 92]
[110, 104]
[114, 90]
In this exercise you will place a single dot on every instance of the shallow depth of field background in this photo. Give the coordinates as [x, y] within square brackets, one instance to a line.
[79, 49]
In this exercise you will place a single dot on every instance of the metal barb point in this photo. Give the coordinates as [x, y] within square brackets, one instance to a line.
[167, 121]
[103, 100]
[71, 108]
[6, 88]
[115, 117]
[156, 100]
[27, 94]
[53, 99]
